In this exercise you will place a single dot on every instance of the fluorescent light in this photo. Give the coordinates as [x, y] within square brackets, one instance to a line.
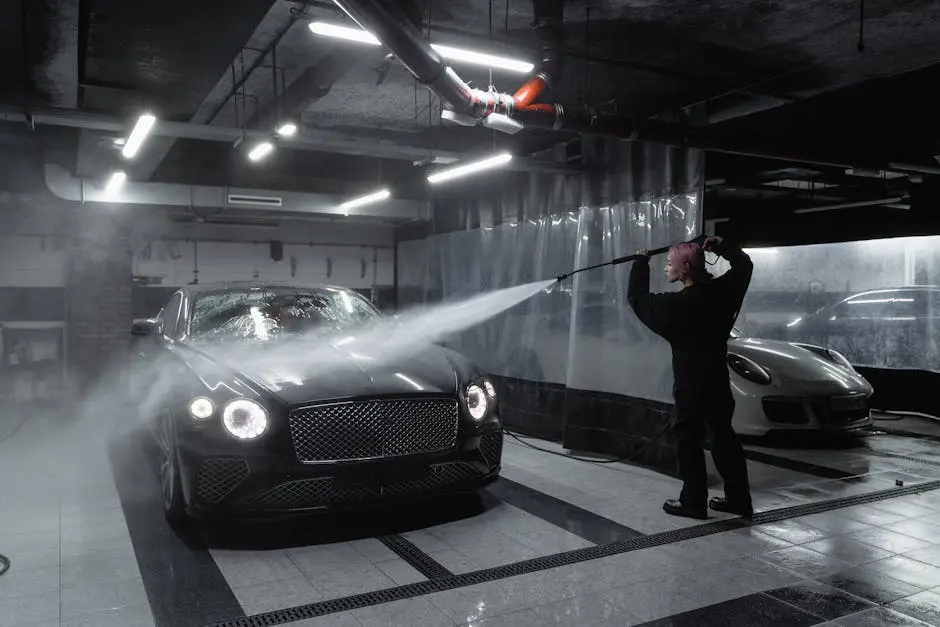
[448, 52]
[342, 32]
[487, 60]
[138, 135]
[364, 200]
[470, 168]
[288, 129]
[115, 183]
[261, 151]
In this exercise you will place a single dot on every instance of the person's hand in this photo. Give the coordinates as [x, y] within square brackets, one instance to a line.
[712, 243]
[643, 252]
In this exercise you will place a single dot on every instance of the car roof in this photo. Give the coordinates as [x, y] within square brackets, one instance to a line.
[241, 285]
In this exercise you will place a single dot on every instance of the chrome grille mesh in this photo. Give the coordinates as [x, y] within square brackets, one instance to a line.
[218, 477]
[373, 429]
[323, 491]
[491, 447]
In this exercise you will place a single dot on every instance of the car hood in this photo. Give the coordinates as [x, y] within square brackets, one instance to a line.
[304, 371]
[797, 365]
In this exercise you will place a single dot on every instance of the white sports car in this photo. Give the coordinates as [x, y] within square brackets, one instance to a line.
[786, 386]
[777, 385]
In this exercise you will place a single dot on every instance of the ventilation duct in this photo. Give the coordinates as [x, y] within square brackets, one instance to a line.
[470, 107]
[63, 185]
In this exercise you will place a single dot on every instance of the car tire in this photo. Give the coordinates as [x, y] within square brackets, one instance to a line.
[171, 485]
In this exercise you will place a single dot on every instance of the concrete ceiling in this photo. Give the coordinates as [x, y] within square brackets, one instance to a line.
[773, 69]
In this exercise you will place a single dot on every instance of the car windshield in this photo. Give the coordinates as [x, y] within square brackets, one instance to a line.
[268, 313]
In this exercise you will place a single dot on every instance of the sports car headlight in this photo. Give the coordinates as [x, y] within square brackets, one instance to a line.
[245, 419]
[747, 369]
[201, 408]
[477, 402]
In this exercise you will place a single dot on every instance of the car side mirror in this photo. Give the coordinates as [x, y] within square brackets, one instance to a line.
[147, 327]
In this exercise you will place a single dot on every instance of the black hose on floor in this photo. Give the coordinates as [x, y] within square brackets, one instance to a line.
[4, 564]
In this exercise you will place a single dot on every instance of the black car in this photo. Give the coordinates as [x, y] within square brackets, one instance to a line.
[259, 409]
[884, 328]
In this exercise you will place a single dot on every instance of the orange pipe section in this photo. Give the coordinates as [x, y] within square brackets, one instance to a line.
[532, 89]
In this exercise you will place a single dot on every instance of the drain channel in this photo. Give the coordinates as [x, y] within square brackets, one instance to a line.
[409, 591]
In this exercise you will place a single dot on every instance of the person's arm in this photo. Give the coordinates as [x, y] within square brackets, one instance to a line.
[653, 310]
[738, 277]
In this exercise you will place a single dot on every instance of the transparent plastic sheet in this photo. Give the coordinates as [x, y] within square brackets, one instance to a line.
[876, 301]
[582, 333]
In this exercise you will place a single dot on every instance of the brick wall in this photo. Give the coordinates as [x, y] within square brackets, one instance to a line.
[98, 292]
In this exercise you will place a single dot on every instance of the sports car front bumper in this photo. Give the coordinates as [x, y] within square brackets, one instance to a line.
[217, 483]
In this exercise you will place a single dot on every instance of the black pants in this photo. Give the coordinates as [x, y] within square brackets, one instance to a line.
[693, 415]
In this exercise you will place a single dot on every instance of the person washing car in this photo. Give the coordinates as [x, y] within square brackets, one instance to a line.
[696, 321]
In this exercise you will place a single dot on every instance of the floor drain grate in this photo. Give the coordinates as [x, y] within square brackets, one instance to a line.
[409, 591]
[4, 564]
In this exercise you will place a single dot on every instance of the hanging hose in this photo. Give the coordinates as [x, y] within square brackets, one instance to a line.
[613, 262]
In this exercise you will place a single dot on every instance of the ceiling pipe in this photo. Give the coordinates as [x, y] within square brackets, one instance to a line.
[550, 32]
[502, 112]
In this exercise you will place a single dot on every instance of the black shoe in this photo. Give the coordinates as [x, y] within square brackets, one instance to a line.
[720, 504]
[676, 508]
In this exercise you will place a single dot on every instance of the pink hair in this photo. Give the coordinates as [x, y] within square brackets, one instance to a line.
[692, 254]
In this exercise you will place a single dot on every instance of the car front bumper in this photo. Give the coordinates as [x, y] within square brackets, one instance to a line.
[255, 483]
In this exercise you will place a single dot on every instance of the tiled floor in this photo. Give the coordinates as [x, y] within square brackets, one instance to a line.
[88, 546]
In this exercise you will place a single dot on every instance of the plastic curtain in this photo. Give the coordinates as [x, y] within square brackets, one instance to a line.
[876, 301]
[582, 334]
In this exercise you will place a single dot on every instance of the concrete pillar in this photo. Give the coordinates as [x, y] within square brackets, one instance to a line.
[98, 292]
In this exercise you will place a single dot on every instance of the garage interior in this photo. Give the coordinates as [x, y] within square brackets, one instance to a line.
[152, 147]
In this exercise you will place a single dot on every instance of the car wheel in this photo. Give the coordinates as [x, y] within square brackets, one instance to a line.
[171, 484]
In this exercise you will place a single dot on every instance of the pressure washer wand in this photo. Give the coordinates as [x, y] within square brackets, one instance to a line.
[613, 262]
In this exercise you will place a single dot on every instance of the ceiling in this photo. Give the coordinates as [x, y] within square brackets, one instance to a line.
[805, 77]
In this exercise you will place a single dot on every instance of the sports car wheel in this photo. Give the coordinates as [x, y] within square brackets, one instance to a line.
[170, 482]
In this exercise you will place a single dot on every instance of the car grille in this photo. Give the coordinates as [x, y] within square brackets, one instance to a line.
[491, 447]
[305, 493]
[218, 477]
[373, 429]
[785, 412]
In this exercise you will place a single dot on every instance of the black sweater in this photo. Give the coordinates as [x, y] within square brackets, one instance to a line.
[696, 322]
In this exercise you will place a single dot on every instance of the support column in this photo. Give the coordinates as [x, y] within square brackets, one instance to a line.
[98, 293]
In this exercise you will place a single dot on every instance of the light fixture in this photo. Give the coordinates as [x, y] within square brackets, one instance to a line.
[364, 200]
[287, 129]
[138, 135]
[448, 52]
[261, 151]
[115, 183]
[470, 168]
[761, 251]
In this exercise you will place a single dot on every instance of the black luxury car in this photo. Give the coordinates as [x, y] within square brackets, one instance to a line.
[259, 409]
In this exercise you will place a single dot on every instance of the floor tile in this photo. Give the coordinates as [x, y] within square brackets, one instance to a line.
[910, 571]
[87, 599]
[888, 540]
[906, 508]
[793, 532]
[869, 585]
[584, 610]
[524, 618]
[275, 595]
[758, 610]
[924, 606]
[99, 568]
[930, 555]
[848, 550]
[871, 516]
[335, 582]
[805, 562]
[417, 611]
[878, 617]
[400, 571]
[133, 615]
[649, 600]
[820, 600]
[19, 581]
[25, 609]
[919, 529]
[373, 550]
[246, 568]
[833, 522]
[455, 561]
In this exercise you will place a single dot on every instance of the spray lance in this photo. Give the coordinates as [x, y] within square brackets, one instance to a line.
[619, 260]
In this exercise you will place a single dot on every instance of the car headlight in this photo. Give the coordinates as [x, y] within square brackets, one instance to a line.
[245, 419]
[201, 408]
[747, 369]
[839, 358]
[477, 402]
[490, 390]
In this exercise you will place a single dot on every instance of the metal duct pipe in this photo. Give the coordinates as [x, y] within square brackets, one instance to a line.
[388, 23]
[550, 31]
